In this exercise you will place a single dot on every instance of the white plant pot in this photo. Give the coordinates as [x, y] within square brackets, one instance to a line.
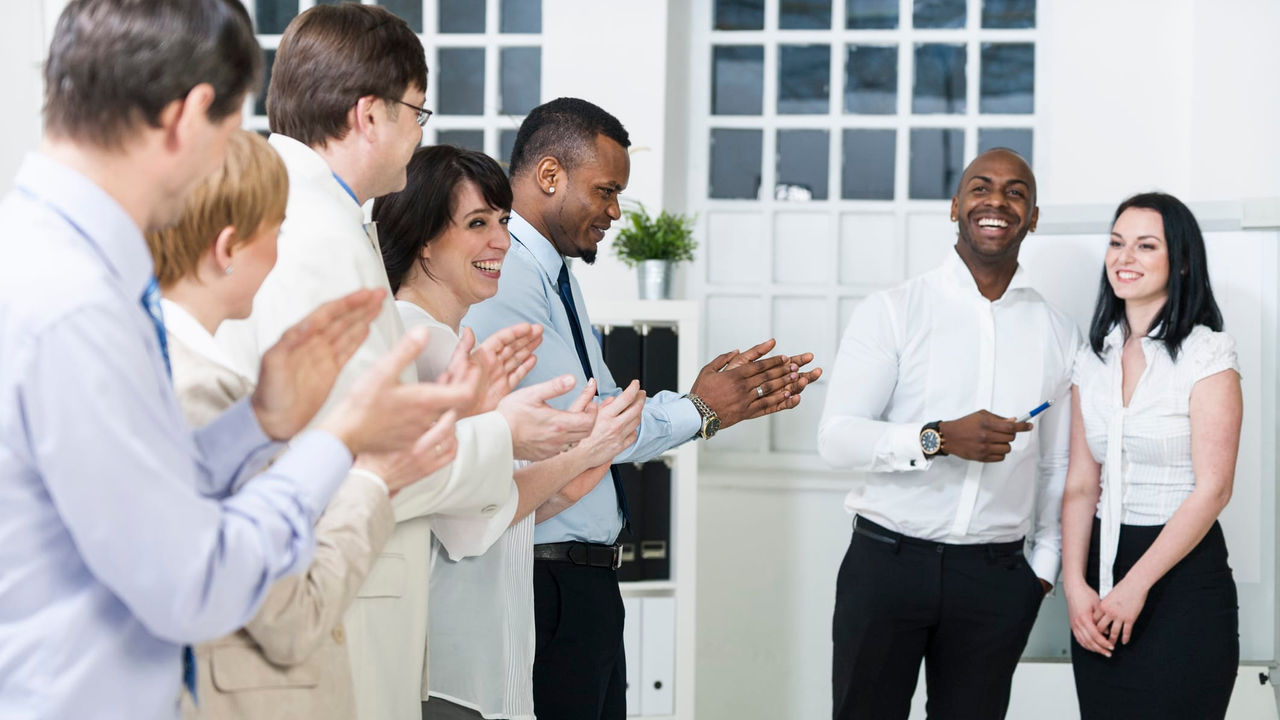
[655, 279]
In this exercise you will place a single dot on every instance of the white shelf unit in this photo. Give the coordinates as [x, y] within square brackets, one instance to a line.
[684, 316]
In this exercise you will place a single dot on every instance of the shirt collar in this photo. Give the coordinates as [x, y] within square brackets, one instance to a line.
[184, 326]
[543, 251]
[1115, 337]
[93, 213]
[306, 165]
[959, 272]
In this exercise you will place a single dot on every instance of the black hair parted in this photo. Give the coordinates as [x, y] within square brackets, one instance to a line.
[410, 219]
[1190, 299]
[566, 129]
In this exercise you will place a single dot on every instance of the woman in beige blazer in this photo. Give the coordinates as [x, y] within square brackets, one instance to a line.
[290, 660]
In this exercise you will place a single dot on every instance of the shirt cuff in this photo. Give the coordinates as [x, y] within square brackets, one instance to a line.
[1045, 563]
[903, 451]
[317, 463]
[371, 477]
[683, 418]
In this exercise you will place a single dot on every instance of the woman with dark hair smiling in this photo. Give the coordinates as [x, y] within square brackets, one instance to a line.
[444, 239]
[1156, 411]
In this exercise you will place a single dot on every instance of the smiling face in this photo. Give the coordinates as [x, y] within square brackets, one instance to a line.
[586, 200]
[466, 259]
[1138, 257]
[995, 206]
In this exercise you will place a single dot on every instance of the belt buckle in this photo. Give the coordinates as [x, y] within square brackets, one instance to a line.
[615, 556]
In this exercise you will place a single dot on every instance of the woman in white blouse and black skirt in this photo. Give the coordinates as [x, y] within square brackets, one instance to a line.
[1155, 429]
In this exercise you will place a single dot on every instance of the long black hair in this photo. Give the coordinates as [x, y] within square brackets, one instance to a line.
[1190, 298]
[409, 219]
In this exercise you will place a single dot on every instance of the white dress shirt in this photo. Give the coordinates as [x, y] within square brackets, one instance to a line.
[110, 558]
[1145, 448]
[481, 610]
[935, 349]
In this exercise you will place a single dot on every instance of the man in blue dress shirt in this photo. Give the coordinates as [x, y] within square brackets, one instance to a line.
[568, 165]
[124, 536]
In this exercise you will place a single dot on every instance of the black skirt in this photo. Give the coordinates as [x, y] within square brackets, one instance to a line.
[1184, 652]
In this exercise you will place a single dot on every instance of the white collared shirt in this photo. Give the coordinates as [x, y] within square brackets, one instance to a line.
[935, 349]
[1144, 449]
[187, 329]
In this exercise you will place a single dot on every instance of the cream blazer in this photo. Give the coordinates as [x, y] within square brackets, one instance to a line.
[325, 250]
[295, 643]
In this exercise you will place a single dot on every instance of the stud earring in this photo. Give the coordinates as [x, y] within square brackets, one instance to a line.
[228, 270]
[551, 190]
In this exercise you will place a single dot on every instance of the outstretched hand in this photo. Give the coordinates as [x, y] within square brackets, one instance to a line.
[512, 351]
[539, 431]
[746, 385]
[298, 372]
[436, 448]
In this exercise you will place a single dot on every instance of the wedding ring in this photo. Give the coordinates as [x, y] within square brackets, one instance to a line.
[759, 391]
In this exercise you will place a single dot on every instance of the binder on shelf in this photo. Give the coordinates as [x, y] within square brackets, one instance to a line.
[633, 485]
[622, 354]
[655, 534]
[658, 355]
[657, 656]
[631, 633]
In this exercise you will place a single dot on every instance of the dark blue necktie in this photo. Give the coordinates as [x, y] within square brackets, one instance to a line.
[151, 303]
[570, 308]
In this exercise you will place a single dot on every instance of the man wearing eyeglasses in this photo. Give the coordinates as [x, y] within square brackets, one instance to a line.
[345, 106]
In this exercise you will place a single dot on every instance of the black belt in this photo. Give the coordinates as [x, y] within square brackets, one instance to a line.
[879, 533]
[580, 553]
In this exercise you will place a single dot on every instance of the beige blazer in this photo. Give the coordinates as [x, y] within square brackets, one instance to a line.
[290, 660]
[325, 251]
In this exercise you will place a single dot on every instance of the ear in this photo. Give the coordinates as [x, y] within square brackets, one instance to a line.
[547, 173]
[224, 249]
[955, 208]
[1035, 219]
[364, 116]
[181, 118]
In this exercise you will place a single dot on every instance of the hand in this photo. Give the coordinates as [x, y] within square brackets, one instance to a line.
[616, 426]
[512, 349]
[738, 387]
[1045, 586]
[539, 431]
[1083, 607]
[436, 448]
[1120, 610]
[981, 436]
[380, 414]
[298, 372]
[465, 359]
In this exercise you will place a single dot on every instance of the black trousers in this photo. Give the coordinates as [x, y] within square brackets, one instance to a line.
[965, 610]
[1184, 652]
[579, 669]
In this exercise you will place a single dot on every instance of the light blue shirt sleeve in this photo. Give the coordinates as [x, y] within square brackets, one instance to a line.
[526, 294]
[121, 477]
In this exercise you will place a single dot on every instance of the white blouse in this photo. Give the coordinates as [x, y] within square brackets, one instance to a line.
[481, 649]
[1144, 449]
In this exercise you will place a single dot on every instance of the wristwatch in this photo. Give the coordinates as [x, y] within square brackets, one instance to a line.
[931, 439]
[710, 420]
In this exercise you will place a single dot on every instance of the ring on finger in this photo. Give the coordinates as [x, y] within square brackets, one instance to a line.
[759, 391]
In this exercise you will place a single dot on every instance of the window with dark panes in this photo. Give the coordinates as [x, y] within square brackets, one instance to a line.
[484, 59]
[833, 135]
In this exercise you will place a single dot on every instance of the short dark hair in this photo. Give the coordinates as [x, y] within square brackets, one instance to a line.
[410, 219]
[1190, 300]
[566, 129]
[115, 63]
[331, 56]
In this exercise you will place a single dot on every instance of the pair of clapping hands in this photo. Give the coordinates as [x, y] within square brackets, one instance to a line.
[405, 432]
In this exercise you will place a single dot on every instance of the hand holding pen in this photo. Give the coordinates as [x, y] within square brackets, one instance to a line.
[982, 436]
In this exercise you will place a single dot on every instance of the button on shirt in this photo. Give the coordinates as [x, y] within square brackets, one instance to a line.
[935, 349]
[1144, 449]
[110, 557]
[527, 292]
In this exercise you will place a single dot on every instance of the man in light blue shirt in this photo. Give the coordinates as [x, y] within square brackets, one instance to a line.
[121, 538]
[568, 165]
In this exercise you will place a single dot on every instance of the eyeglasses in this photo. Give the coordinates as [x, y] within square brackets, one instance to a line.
[423, 114]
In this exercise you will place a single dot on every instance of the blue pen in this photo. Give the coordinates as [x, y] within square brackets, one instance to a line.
[1039, 409]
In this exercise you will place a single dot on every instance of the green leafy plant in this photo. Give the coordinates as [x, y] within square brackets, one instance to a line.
[668, 236]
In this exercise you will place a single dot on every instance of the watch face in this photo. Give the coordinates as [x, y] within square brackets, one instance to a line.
[930, 441]
[712, 426]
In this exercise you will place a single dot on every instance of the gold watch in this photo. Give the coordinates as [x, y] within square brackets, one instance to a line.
[710, 420]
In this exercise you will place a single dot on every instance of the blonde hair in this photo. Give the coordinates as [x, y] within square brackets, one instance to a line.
[248, 192]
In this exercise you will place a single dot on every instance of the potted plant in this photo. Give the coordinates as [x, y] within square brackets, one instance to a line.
[654, 244]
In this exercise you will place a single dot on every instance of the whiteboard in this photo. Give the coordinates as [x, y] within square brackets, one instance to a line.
[1243, 267]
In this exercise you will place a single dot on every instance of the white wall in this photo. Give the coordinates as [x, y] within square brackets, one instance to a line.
[23, 40]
